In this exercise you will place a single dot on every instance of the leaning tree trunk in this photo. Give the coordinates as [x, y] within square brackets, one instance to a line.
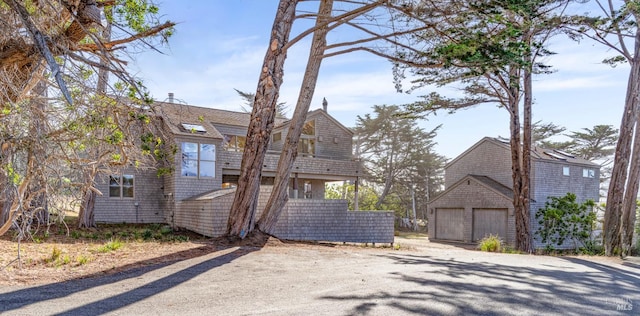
[615, 195]
[629, 205]
[279, 195]
[242, 214]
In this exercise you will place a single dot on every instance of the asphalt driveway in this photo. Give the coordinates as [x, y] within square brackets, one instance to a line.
[423, 279]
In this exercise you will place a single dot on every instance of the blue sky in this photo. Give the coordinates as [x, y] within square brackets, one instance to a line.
[219, 46]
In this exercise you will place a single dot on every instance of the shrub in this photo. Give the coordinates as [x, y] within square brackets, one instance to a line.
[562, 219]
[491, 243]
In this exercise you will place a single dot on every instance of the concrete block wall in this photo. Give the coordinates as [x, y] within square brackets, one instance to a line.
[315, 220]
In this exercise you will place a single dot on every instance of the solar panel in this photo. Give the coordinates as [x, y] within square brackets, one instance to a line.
[564, 153]
[554, 155]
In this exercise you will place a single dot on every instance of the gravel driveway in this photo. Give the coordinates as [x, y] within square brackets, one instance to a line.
[421, 278]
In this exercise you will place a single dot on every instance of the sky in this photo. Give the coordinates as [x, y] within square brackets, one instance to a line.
[219, 46]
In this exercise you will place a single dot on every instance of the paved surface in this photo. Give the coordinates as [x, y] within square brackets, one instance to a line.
[428, 279]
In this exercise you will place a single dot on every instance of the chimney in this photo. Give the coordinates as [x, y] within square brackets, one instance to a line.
[324, 104]
[170, 97]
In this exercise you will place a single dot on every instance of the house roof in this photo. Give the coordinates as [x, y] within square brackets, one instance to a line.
[537, 153]
[311, 115]
[485, 181]
[178, 114]
[493, 184]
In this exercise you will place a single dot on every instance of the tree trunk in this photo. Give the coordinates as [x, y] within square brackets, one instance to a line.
[86, 215]
[387, 182]
[523, 236]
[242, 214]
[279, 195]
[629, 205]
[615, 195]
[525, 244]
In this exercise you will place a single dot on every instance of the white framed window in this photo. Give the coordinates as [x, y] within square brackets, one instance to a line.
[198, 160]
[588, 173]
[566, 171]
[121, 186]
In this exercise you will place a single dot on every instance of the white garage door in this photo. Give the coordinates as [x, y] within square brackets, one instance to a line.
[489, 222]
[450, 224]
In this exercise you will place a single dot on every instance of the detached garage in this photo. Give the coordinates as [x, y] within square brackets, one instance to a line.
[472, 208]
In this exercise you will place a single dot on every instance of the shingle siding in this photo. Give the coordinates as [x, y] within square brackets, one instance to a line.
[148, 195]
[487, 159]
[492, 158]
[469, 195]
[319, 220]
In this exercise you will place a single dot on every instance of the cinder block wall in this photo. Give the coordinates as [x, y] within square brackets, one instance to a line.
[317, 220]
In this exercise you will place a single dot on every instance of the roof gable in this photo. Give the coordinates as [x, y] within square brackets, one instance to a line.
[484, 181]
[314, 114]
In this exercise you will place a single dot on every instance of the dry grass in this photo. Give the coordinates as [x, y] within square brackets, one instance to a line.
[58, 256]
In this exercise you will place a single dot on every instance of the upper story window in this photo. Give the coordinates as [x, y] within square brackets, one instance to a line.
[309, 128]
[198, 160]
[588, 173]
[121, 186]
[566, 171]
[234, 142]
[307, 142]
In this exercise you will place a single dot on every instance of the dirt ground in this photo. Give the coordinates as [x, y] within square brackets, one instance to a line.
[64, 255]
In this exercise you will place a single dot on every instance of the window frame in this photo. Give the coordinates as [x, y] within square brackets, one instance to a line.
[198, 160]
[566, 171]
[122, 186]
[588, 173]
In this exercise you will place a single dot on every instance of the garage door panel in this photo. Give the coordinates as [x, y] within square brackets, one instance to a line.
[489, 222]
[450, 224]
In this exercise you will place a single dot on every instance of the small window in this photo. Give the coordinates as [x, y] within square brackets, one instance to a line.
[234, 142]
[121, 186]
[566, 171]
[277, 136]
[307, 190]
[588, 173]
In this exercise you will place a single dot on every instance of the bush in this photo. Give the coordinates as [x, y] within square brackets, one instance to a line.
[491, 243]
[563, 219]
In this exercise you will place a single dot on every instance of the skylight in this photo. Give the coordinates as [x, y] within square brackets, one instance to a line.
[193, 128]
[554, 155]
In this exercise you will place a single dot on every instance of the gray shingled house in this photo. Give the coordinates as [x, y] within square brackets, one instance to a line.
[478, 196]
[197, 196]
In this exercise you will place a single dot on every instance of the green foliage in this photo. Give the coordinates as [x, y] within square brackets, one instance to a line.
[112, 245]
[399, 158]
[55, 254]
[563, 219]
[82, 259]
[491, 243]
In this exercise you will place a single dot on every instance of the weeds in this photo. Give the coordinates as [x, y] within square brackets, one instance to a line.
[112, 245]
[82, 259]
[491, 243]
